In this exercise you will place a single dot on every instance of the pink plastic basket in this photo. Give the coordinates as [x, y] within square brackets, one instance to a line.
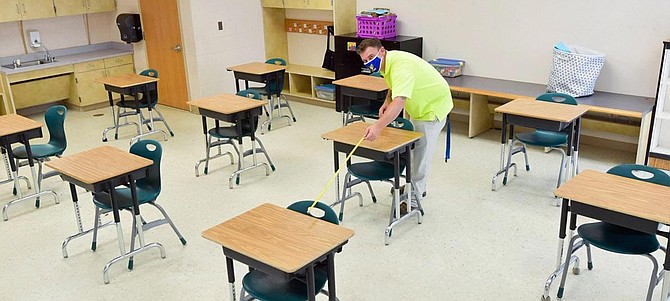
[376, 27]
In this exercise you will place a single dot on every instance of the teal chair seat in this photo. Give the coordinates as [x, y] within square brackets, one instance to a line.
[618, 239]
[374, 171]
[145, 194]
[371, 109]
[261, 286]
[40, 151]
[266, 287]
[543, 138]
[230, 132]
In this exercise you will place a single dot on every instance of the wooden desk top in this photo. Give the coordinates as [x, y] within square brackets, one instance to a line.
[279, 237]
[542, 110]
[389, 139]
[13, 123]
[620, 194]
[364, 82]
[227, 103]
[98, 164]
[126, 80]
[256, 68]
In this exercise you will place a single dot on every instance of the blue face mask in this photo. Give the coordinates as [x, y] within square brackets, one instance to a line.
[375, 63]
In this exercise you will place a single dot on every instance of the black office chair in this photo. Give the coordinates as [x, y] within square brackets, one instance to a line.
[261, 286]
[621, 240]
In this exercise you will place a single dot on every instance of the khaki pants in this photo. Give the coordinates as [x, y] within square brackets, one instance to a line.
[424, 150]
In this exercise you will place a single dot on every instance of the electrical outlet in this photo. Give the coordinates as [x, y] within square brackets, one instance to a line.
[220, 25]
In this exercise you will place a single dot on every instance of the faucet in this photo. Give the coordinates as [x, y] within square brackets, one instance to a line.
[47, 57]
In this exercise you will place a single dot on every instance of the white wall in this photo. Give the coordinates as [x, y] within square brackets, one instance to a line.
[240, 41]
[513, 39]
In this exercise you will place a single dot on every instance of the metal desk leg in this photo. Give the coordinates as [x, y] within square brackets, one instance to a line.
[504, 164]
[666, 279]
[396, 218]
[311, 290]
[332, 296]
[231, 277]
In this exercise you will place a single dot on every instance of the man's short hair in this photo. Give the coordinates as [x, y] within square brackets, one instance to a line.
[365, 44]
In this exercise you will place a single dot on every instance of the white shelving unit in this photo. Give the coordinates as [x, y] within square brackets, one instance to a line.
[658, 154]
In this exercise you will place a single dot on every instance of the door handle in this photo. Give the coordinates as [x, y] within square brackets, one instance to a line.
[177, 48]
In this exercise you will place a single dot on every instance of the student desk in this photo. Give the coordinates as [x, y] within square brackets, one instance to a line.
[261, 73]
[232, 108]
[391, 145]
[279, 242]
[99, 170]
[627, 202]
[539, 115]
[130, 84]
[18, 129]
[363, 86]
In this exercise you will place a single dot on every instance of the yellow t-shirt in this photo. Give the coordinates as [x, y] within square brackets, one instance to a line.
[427, 92]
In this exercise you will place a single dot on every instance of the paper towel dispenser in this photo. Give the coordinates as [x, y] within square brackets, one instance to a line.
[130, 27]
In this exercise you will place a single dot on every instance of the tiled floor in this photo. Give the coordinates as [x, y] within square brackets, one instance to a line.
[474, 244]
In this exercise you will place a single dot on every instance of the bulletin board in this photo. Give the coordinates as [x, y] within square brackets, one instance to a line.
[308, 26]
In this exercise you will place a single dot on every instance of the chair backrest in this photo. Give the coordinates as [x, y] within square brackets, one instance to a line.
[302, 206]
[151, 150]
[153, 92]
[276, 86]
[558, 98]
[402, 123]
[642, 173]
[55, 120]
[251, 94]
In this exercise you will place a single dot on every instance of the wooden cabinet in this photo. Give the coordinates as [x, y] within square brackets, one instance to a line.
[308, 4]
[79, 7]
[659, 140]
[272, 3]
[11, 10]
[302, 78]
[86, 91]
[15, 10]
[98, 6]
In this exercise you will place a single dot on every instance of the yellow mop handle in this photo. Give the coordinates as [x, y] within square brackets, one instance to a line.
[334, 175]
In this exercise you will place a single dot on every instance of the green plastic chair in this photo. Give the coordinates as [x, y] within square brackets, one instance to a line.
[364, 172]
[55, 121]
[549, 139]
[148, 189]
[228, 135]
[621, 240]
[261, 286]
[276, 88]
[127, 108]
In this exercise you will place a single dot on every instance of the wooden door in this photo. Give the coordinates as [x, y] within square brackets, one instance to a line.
[160, 19]
[69, 7]
[97, 6]
[37, 9]
[11, 10]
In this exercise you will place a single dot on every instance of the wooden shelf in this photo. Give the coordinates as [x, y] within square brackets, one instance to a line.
[310, 71]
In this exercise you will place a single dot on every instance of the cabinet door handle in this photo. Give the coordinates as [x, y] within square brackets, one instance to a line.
[18, 12]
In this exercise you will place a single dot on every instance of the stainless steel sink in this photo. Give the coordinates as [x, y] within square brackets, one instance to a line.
[28, 64]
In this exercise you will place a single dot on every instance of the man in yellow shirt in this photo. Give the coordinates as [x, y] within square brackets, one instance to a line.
[414, 85]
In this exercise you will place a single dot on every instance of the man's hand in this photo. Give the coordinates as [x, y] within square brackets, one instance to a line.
[372, 132]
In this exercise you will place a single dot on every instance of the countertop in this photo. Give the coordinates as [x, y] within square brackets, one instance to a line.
[69, 56]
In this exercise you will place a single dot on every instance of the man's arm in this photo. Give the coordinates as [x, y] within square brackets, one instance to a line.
[390, 113]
